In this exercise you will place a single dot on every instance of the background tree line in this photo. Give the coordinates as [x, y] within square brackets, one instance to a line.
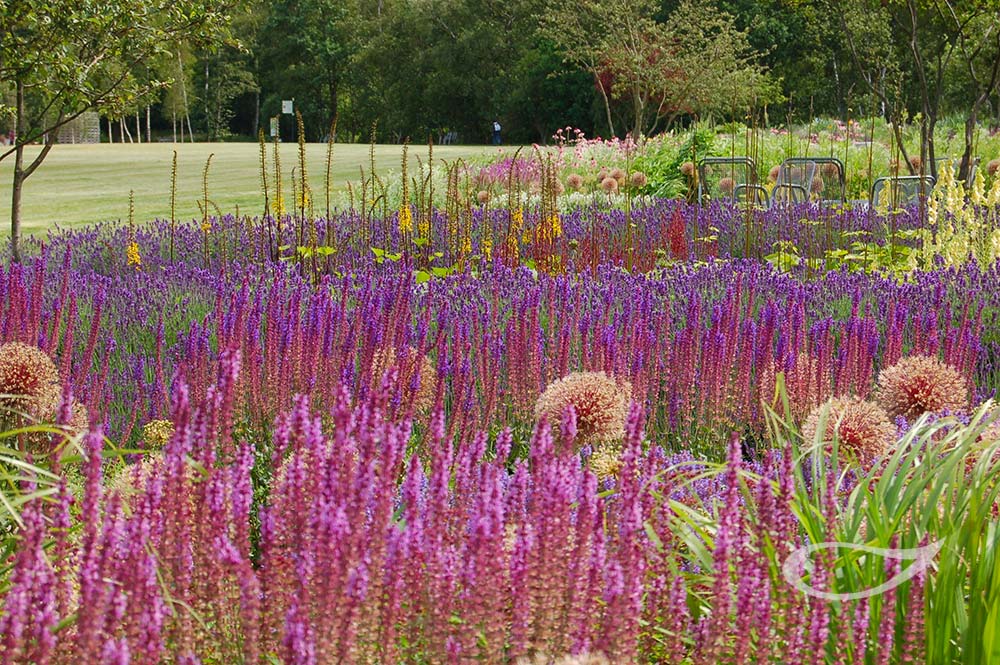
[422, 68]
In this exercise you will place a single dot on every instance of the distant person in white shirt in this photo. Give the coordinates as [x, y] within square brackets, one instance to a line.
[496, 132]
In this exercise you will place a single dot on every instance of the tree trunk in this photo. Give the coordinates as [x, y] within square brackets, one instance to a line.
[930, 166]
[970, 133]
[21, 172]
[149, 134]
[334, 99]
[607, 102]
[184, 98]
[111, 132]
[138, 128]
[639, 111]
[211, 126]
[15, 201]
[256, 112]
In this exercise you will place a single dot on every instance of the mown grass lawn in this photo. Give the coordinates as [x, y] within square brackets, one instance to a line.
[84, 184]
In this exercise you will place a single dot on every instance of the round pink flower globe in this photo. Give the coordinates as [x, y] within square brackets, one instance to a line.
[921, 384]
[601, 403]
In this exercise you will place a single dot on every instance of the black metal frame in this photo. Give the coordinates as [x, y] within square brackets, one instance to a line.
[746, 162]
[819, 161]
[925, 182]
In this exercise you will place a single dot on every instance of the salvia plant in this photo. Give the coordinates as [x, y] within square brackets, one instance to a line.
[485, 427]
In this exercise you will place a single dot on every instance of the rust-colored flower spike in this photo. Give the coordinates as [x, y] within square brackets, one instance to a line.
[29, 381]
[407, 363]
[921, 384]
[601, 404]
[156, 434]
[860, 426]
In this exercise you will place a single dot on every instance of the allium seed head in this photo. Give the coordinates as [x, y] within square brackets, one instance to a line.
[601, 405]
[772, 175]
[861, 427]
[639, 179]
[483, 196]
[605, 462]
[687, 168]
[921, 384]
[726, 185]
[993, 167]
[408, 363]
[830, 170]
[79, 419]
[574, 181]
[30, 381]
[609, 185]
[156, 433]
[817, 185]
[129, 480]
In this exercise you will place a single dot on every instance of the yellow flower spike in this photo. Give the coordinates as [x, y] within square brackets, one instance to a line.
[132, 255]
[978, 194]
[405, 220]
[993, 198]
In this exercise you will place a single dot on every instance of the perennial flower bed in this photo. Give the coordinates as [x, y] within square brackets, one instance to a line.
[499, 436]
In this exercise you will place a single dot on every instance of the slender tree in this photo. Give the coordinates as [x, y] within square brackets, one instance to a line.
[63, 58]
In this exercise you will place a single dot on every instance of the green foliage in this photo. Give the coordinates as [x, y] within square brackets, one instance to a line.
[70, 57]
[305, 49]
[937, 488]
[662, 164]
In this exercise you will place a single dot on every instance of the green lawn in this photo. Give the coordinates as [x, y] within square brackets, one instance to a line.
[80, 184]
